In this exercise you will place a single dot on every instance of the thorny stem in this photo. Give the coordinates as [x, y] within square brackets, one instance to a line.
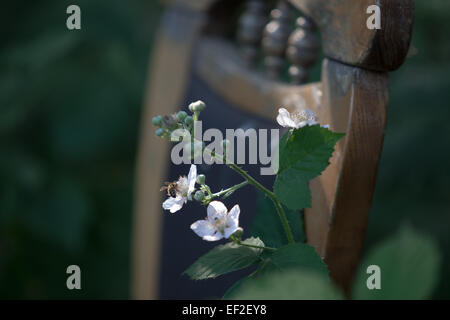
[251, 180]
[231, 189]
[272, 196]
[267, 192]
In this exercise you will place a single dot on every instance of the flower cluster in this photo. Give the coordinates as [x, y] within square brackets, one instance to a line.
[180, 120]
[219, 223]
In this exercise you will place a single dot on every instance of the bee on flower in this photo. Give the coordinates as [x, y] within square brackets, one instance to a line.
[180, 191]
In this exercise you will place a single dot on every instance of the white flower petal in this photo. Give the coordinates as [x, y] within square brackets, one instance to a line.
[173, 204]
[203, 228]
[214, 237]
[230, 230]
[192, 176]
[284, 118]
[232, 221]
[233, 215]
[216, 210]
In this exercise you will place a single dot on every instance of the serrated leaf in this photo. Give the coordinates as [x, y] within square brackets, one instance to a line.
[409, 268]
[304, 154]
[312, 145]
[267, 225]
[224, 259]
[291, 285]
[293, 256]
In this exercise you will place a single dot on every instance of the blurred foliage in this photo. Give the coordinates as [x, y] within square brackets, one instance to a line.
[414, 174]
[409, 267]
[69, 115]
[295, 284]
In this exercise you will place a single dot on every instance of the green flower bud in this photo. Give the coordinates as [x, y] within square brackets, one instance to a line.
[170, 122]
[199, 196]
[197, 106]
[189, 121]
[159, 132]
[181, 116]
[157, 121]
[201, 179]
[238, 233]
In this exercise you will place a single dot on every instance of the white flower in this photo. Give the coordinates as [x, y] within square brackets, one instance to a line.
[219, 223]
[296, 119]
[183, 189]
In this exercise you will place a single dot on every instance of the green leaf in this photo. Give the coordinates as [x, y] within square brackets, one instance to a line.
[291, 285]
[409, 266]
[294, 256]
[236, 287]
[304, 154]
[292, 189]
[267, 225]
[224, 259]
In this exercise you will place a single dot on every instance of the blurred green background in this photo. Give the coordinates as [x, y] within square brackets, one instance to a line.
[70, 104]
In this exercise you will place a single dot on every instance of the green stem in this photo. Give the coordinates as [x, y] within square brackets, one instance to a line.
[267, 192]
[233, 188]
[195, 118]
[272, 196]
[208, 190]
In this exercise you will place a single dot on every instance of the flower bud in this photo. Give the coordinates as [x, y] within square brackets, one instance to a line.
[199, 196]
[201, 179]
[157, 121]
[181, 116]
[170, 122]
[197, 106]
[238, 233]
[189, 121]
[159, 132]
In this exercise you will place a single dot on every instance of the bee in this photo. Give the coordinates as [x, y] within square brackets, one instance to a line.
[171, 188]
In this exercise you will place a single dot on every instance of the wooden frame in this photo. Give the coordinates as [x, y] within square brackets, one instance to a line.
[352, 97]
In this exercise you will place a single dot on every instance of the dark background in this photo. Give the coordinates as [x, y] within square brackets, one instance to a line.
[70, 104]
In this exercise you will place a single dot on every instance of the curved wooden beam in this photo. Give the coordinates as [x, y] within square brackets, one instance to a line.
[355, 102]
[221, 66]
[346, 38]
